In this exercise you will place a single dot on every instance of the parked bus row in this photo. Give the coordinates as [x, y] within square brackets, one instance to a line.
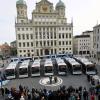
[62, 66]
[23, 70]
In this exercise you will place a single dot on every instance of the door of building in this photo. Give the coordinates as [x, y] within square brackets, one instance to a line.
[46, 52]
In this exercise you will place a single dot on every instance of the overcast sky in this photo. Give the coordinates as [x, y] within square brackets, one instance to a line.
[85, 14]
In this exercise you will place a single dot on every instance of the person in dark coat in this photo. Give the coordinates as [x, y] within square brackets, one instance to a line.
[2, 92]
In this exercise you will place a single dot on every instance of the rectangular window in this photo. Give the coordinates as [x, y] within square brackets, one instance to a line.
[51, 51]
[43, 35]
[69, 28]
[22, 29]
[66, 42]
[36, 35]
[23, 36]
[55, 43]
[37, 52]
[18, 29]
[27, 29]
[36, 43]
[19, 44]
[27, 36]
[44, 43]
[66, 35]
[51, 43]
[69, 42]
[55, 35]
[55, 51]
[40, 35]
[31, 43]
[69, 35]
[30, 28]
[48, 43]
[41, 52]
[62, 28]
[31, 35]
[59, 36]
[23, 44]
[47, 35]
[19, 37]
[63, 35]
[51, 35]
[59, 42]
[40, 43]
[62, 42]
[27, 44]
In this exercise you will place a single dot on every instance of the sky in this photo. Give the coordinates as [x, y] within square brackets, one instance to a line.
[85, 15]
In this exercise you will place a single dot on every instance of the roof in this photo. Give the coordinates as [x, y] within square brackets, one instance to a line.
[48, 62]
[13, 42]
[21, 2]
[36, 63]
[12, 65]
[87, 31]
[25, 64]
[5, 46]
[42, 1]
[72, 61]
[82, 36]
[60, 4]
[96, 26]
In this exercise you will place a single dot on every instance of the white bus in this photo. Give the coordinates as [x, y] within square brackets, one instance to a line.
[23, 69]
[87, 66]
[48, 67]
[62, 66]
[74, 67]
[35, 68]
[10, 71]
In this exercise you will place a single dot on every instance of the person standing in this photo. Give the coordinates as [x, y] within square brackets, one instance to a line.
[2, 92]
[92, 97]
[50, 79]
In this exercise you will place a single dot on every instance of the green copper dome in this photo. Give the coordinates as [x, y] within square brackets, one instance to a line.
[60, 4]
[21, 2]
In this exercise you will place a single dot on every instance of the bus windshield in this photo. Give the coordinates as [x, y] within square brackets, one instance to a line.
[23, 71]
[76, 68]
[35, 70]
[48, 69]
[62, 68]
[90, 68]
[10, 72]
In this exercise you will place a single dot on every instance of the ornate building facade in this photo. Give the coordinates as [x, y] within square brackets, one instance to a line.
[46, 33]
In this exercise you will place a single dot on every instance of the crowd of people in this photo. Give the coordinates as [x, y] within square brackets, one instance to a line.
[63, 93]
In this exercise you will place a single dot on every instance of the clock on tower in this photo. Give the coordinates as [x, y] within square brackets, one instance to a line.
[45, 8]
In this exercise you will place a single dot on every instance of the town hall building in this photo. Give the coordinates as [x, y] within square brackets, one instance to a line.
[46, 33]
